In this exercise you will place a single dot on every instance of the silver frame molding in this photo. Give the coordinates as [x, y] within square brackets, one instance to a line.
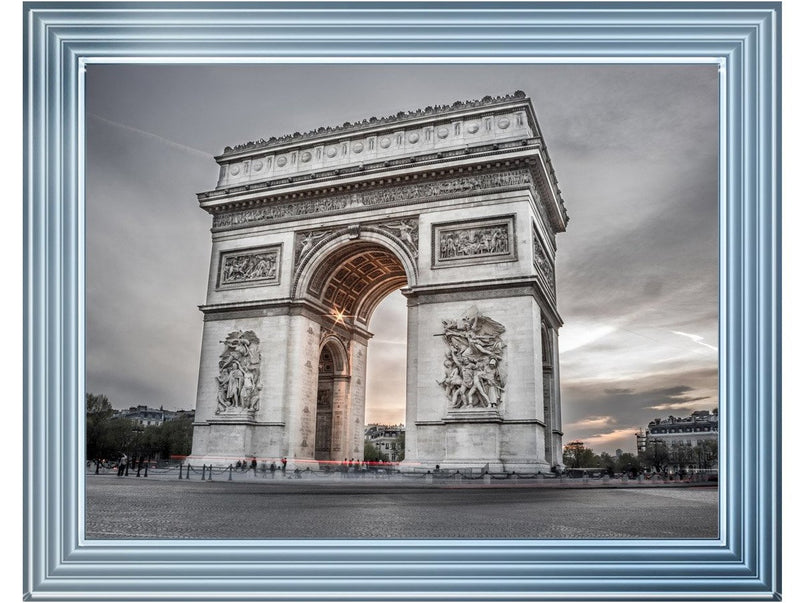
[743, 38]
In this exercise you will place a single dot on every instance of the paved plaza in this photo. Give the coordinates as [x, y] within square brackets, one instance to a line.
[131, 507]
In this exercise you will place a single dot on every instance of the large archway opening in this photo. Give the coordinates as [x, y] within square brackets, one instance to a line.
[362, 354]
[386, 374]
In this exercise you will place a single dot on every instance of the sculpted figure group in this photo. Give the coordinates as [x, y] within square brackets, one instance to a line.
[249, 267]
[239, 377]
[473, 242]
[473, 364]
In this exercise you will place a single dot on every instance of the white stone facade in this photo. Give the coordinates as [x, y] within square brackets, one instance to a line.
[457, 206]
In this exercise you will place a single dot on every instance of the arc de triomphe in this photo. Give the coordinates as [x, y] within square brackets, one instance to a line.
[456, 205]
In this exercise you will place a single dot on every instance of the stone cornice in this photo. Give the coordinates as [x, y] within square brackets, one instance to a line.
[326, 179]
[403, 117]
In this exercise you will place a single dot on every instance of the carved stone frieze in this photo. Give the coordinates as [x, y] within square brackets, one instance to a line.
[474, 241]
[474, 373]
[378, 196]
[257, 266]
[238, 377]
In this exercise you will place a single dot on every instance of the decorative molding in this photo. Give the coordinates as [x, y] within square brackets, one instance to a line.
[480, 241]
[382, 195]
[249, 267]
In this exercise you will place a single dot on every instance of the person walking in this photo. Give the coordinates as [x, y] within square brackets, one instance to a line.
[121, 466]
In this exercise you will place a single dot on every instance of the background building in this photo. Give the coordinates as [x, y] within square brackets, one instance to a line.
[387, 439]
[694, 430]
[146, 416]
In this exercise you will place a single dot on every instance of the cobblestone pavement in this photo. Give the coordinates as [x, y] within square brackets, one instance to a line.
[173, 509]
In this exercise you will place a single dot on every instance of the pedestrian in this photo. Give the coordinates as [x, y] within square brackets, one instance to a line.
[121, 466]
[254, 465]
[284, 464]
[273, 470]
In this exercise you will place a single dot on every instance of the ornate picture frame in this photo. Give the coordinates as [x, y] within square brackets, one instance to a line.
[742, 39]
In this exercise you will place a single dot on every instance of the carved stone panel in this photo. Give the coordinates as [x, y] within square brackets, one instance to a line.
[250, 267]
[474, 372]
[474, 242]
[543, 264]
[238, 376]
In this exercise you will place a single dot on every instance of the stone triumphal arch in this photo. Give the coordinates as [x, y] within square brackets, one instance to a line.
[458, 206]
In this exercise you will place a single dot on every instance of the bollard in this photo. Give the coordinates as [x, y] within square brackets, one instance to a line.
[146, 469]
[203, 472]
[181, 468]
[188, 471]
[230, 472]
[97, 467]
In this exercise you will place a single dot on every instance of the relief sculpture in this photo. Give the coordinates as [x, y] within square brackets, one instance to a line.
[406, 231]
[473, 367]
[473, 242]
[305, 243]
[380, 196]
[239, 373]
[261, 265]
[543, 263]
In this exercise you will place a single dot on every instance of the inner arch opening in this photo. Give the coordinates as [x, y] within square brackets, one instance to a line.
[356, 278]
[356, 284]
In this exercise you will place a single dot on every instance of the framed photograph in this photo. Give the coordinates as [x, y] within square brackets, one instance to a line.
[455, 301]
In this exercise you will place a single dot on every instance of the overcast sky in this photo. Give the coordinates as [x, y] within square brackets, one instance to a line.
[635, 152]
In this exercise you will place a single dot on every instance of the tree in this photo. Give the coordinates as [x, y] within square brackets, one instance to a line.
[607, 462]
[655, 455]
[372, 454]
[577, 455]
[400, 446]
[98, 415]
[628, 463]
